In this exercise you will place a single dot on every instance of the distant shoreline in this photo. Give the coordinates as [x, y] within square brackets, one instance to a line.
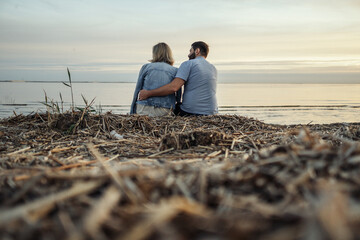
[31, 81]
[312, 83]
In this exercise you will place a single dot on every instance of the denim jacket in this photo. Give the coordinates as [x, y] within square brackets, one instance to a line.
[152, 76]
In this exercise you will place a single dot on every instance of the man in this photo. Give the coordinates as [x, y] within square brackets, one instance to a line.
[199, 77]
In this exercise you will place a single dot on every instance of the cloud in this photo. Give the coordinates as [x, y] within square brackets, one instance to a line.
[246, 35]
[291, 66]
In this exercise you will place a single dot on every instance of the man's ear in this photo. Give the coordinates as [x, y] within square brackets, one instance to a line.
[197, 51]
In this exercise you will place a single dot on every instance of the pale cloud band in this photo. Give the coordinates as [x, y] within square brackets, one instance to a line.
[109, 38]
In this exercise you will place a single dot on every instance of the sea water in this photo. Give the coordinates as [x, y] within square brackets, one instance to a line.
[271, 103]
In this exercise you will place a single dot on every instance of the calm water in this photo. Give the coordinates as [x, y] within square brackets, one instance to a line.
[271, 103]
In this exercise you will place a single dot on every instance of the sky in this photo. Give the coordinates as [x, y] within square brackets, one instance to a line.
[308, 41]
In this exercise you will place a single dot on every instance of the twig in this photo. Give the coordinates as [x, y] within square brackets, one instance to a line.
[23, 210]
[100, 211]
[117, 180]
[159, 153]
[213, 154]
[19, 151]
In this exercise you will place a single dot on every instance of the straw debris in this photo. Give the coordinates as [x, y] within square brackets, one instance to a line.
[64, 176]
[188, 139]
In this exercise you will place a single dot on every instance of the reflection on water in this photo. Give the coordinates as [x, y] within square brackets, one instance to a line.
[271, 103]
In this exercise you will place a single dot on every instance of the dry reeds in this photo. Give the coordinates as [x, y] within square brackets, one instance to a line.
[211, 177]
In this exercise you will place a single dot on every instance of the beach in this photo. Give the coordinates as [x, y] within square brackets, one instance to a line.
[79, 175]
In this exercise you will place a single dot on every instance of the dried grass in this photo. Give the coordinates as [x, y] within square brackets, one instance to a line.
[211, 177]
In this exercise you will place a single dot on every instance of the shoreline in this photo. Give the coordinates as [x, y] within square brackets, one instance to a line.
[220, 82]
[272, 104]
[14, 114]
[222, 176]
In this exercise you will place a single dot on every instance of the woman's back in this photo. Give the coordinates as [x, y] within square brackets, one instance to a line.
[158, 74]
[154, 76]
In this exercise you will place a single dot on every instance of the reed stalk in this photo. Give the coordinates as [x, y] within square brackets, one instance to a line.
[70, 86]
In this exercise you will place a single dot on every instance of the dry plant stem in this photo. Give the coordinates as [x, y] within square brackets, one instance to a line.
[72, 94]
[221, 177]
[159, 153]
[115, 177]
[19, 151]
[99, 212]
[162, 213]
[25, 189]
[24, 210]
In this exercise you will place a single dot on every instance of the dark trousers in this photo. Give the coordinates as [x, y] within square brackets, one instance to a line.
[179, 112]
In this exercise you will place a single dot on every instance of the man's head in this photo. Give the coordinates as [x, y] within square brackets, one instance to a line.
[198, 49]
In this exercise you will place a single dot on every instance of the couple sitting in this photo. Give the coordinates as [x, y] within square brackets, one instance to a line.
[158, 88]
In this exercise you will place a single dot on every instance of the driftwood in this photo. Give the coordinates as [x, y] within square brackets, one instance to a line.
[210, 177]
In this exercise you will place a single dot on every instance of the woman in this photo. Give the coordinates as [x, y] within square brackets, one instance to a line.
[153, 75]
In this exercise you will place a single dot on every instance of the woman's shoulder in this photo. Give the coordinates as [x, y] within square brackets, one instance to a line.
[162, 66]
[172, 69]
[144, 67]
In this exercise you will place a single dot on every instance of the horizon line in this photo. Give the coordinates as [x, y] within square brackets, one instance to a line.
[221, 82]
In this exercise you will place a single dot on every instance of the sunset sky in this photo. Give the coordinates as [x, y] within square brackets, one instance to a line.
[250, 40]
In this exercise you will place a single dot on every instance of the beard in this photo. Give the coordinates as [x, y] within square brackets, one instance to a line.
[192, 56]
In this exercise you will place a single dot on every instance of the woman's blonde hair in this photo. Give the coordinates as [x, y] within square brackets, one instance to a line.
[162, 53]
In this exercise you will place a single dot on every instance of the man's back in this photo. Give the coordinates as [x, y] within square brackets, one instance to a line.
[200, 86]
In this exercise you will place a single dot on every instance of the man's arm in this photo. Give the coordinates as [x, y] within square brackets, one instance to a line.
[165, 90]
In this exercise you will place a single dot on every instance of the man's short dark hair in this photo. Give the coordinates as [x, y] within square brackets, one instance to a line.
[204, 48]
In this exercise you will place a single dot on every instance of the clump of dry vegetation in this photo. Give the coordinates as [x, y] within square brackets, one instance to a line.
[63, 176]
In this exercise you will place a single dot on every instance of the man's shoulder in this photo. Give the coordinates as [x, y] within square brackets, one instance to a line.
[212, 65]
[186, 63]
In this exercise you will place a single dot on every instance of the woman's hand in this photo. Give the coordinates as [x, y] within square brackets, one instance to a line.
[143, 94]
